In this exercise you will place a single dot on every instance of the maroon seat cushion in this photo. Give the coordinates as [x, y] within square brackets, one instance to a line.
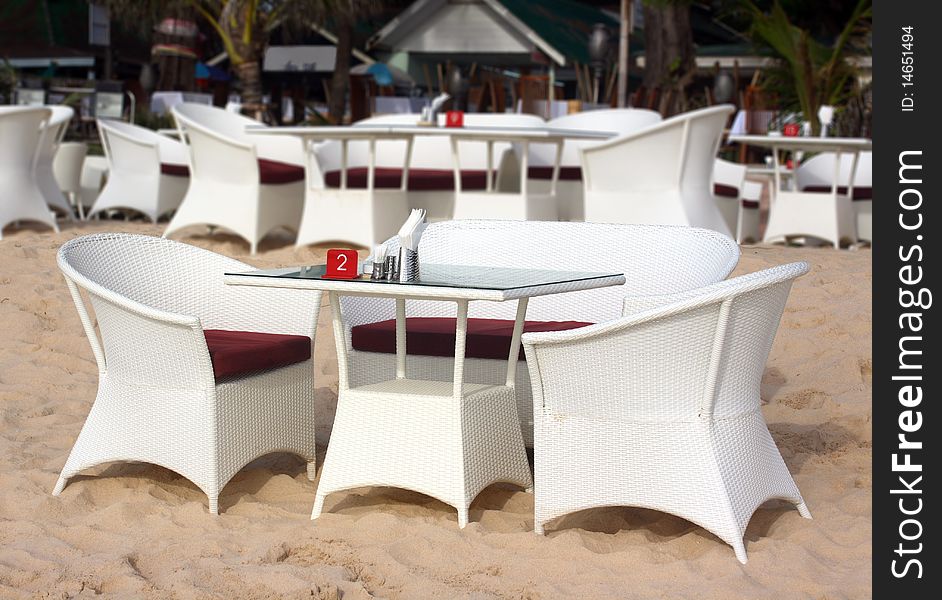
[272, 172]
[750, 204]
[565, 173]
[726, 191]
[435, 336]
[860, 193]
[240, 352]
[174, 169]
[420, 180]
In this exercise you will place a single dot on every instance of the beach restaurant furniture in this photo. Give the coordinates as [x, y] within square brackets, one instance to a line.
[654, 259]
[817, 173]
[661, 174]
[364, 213]
[21, 135]
[67, 169]
[432, 166]
[45, 176]
[147, 172]
[248, 185]
[195, 376]
[660, 409]
[737, 198]
[569, 187]
[450, 438]
[823, 211]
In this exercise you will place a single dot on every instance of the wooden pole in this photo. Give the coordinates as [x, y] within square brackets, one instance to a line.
[623, 37]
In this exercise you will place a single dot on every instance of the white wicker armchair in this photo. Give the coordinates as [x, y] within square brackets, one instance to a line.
[661, 409]
[159, 400]
[656, 259]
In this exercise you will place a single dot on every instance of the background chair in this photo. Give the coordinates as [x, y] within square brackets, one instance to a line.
[661, 174]
[94, 176]
[237, 182]
[21, 136]
[817, 175]
[195, 376]
[661, 409]
[147, 172]
[67, 169]
[45, 175]
[569, 187]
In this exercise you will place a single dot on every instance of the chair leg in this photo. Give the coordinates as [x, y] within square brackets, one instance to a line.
[60, 485]
[462, 517]
[803, 510]
[538, 527]
[312, 469]
[740, 549]
[318, 506]
[214, 504]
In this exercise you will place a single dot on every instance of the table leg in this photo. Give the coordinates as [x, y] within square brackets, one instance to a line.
[371, 169]
[490, 166]
[524, 167]
[343, 164]
[400, 338]
[404, 184]
[340, 340]
[556, 166]
[456, 161]
[515, 341]
[461, 333]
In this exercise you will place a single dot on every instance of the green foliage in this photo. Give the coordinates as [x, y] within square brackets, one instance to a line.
[809, 73]
[7, 81]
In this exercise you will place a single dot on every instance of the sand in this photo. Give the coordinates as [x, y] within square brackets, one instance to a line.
[136, 530]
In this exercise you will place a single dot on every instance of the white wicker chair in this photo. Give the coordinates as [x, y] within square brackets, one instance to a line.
[569, 187]
[655, 259]
[661, 409]
[147, 172]
[45, 174]
[228, 183]
[21, 134]
[67, 168]
[661, 174]
[817, 175]
[155, 300]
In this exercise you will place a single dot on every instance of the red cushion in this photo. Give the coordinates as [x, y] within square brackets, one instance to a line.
[419, 179]
[175, 170]
[435, 336]
[750, 204]
[860, 193]
[272, 172]
[565, 173]
[240, 352]
[727, 191]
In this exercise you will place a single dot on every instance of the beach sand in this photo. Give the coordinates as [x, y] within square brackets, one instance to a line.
[141, 531]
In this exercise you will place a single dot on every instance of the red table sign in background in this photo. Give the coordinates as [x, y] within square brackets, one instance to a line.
[342, 264]
[454, 118]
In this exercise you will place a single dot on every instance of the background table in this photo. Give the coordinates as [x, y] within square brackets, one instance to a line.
[445, 439]
[793, 212]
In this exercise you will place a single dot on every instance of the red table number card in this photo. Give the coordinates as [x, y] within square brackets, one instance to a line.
[341, 264]
[454, 118]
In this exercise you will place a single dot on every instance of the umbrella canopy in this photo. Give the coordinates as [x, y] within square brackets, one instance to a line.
[384, 74]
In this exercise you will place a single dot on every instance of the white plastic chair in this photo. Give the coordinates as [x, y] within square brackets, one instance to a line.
[661, 409]
[45, 176]
[159, 401]
[747, 228]
[655, 260]
[817, 175]
[226, 169]
[147, 172]
[21, 135]
[661, 174]
[569, 188]
[67, 168]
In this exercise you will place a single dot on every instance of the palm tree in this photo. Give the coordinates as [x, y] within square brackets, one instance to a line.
[811, 74]
[244, 27]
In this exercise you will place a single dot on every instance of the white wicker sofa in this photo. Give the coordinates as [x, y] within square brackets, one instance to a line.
[195, 376]
[656, 259]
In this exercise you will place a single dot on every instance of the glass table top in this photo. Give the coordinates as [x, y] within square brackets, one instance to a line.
[451, 276]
